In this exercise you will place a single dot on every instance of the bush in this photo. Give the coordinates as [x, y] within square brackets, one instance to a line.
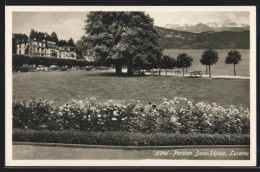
[20, 60]
[168, 116]
[128, 139]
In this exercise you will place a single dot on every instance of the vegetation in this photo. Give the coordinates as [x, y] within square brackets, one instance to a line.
[174, 39]
[20, 60]
[234, 57]
[168, 116]
[116, 138]
[71, 42]
[209, 57]
[125, 38]
[168, 63]
[184, 61]
[81, 47]
[17, 37]
[63, 86]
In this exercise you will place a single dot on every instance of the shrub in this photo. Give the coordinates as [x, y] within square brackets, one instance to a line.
[169, 116]
[21, 60]
[128, 139]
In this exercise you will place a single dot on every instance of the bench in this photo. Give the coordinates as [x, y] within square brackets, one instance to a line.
[196, 74]
[154, 72]
[177, 72]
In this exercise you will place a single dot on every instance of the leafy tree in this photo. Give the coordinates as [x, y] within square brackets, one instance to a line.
[126, 38]
[168, 63]
[54, 37]
[71, 42]
[81, 47]
[62, 43]
[17, 37]
[184, 61]
[39, 36]
[234, 57]
[209, 57]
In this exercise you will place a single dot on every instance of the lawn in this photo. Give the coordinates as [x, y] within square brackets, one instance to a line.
[63, 86]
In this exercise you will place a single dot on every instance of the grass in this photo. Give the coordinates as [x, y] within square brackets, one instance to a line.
[63, 86]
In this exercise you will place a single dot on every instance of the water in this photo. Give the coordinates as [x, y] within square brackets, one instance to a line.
[220, 68]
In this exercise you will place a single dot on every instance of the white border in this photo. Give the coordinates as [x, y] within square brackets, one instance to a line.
[8, 91]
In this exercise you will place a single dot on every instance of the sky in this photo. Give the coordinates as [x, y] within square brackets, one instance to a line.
[71, 24]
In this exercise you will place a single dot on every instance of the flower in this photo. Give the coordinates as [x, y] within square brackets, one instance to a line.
[114, 119]
[173, 119]
[164, 99]
[115, 113]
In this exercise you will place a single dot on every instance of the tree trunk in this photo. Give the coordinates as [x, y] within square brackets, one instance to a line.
[186, 70]
[166, 72]
[183, 71]
[209, 72]
[235, 70]
[118, 68]
[206, 69]
[130, 71]
[159, 71]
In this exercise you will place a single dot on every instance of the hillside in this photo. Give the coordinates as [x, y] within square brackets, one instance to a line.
[210, 26]
[219, 40]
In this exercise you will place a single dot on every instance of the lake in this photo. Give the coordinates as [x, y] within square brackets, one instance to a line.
[220, 68]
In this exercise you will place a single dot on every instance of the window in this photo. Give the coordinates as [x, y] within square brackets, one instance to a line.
[20, 52]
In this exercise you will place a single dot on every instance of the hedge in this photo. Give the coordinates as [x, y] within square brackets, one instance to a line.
[169, 116]
[118, 138]
[20, 60]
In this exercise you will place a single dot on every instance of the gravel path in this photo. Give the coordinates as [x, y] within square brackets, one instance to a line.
[32, 152]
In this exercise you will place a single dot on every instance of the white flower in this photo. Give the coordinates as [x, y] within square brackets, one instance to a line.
[98, 115]
[114, 119]
[173, 119]
[92, 98]
[115, 113]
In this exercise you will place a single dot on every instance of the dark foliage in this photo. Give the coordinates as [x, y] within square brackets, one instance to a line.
[127, 138]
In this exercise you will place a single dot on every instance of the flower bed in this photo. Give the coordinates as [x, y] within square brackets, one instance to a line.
[121, 138]
[169, 116]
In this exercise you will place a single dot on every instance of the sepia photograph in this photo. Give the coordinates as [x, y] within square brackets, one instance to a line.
[130, 86]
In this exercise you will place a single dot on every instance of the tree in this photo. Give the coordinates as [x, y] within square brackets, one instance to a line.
[81, 47]
[168, 63]
[71, 42]
[126, 38]
[234, 57]
[18, 37]
[54, 37]
[62, 43]
[184, 61]
[209, 57]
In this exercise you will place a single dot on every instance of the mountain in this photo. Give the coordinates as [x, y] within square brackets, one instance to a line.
[210, 26]
[170, 38]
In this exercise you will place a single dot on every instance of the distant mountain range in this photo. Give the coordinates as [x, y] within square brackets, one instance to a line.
[210, 26]
[170, 38]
